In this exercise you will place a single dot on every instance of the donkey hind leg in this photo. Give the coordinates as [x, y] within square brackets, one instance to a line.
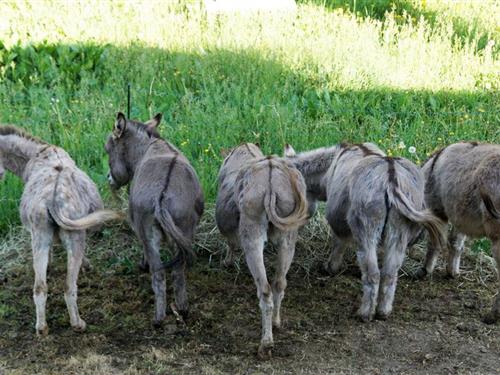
[366, 231]
[367, 259]
[455, 249]
[285, 241]
[41, 242]
[494, 315]
[74, 243]
[433, 250]
[151, 236]
[395, 249]
[253, 236]
[179, 280]
[336, 257]
[232, 246]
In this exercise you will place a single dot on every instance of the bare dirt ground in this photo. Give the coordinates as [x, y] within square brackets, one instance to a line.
[435, 328]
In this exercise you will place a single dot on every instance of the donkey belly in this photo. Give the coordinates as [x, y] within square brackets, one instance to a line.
[227, 216]
[338, 221]
[337, 207]
[463, 211]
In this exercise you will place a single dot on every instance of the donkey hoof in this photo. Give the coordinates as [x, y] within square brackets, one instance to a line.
[158, 320]
[228, 263]
[420, 274]
[265, 351]
[43, 331]
[365, 316]
[80, 327]
[158, 323]
[143, 267]
[181, 315]
[382, 315]
[491, 318]
[327, 269]
[86, 266]
[451, 275]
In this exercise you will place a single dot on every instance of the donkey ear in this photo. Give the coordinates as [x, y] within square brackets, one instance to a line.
[154, 122]
[289, 151]
[120, 125]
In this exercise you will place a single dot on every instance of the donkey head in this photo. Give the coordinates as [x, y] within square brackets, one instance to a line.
[124, 144]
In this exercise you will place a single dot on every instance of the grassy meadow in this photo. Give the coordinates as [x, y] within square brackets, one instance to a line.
[399, 73]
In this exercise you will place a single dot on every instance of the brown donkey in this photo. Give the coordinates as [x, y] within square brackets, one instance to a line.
[58, 199]
[165, 201]
[463, 187]
[259, 198]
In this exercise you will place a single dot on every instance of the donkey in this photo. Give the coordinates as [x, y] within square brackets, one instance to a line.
[261, 197]
[463, 188]
[373, 201]
[165, 202]
[58, 200]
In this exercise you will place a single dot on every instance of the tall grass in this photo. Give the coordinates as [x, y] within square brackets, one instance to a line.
[313, 78]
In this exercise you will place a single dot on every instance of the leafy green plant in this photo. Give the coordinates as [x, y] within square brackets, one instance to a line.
[50, 65]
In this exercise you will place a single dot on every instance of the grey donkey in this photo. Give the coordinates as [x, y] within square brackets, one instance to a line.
[58, 200]
[165, 202]
[372, 201]
[463, 188]
[261, 197]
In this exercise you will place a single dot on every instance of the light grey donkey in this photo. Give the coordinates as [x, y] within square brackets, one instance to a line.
[261, 197]
[373, 201]
[463, 187]
[165, 202]
[58, 200]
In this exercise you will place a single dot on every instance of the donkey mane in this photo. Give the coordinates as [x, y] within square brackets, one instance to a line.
[152, 133]
[14, 130]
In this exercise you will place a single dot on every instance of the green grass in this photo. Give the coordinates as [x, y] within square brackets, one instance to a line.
[417, 73]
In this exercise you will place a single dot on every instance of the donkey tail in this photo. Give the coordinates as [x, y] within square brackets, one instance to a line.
[92, 220]
[299, 214]
[185, 255]
[425, 217]
[490, 206]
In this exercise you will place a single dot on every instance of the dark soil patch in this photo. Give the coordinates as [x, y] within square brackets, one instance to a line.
[435, 327]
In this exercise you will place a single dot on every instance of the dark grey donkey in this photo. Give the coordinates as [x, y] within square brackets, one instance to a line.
[58, 200]
[373, 201]
[463, 187]
[165, 201]
[261, 197]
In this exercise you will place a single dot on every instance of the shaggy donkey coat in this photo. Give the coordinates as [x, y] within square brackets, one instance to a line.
[165, 201]
[463, 187]
[261, 197]
[58, 200]
[374, 201]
